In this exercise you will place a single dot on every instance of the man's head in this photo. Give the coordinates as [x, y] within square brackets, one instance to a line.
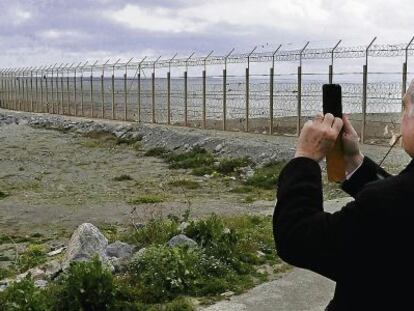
[407, 121]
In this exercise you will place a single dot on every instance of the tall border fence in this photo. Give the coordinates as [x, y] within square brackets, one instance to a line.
[272, 92]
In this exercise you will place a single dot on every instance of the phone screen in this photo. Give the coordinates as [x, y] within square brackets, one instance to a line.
[332, 99]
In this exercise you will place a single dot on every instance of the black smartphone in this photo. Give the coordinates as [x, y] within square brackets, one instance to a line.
[332, 99]
[332, 103]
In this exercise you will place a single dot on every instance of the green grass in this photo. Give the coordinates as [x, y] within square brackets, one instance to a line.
[156, 152]
[123, 177]
[242, 189]
[231, 165]
[147, 199]
[266, 177]
[33, 256]
[3, 195]
[185, 183]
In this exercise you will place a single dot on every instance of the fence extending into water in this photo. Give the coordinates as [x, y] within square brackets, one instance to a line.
[271, 92]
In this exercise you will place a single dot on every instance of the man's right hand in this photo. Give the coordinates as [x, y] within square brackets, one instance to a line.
[350, 142]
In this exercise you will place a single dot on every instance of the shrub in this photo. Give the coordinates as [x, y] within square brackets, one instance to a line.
[23, 296]
[166, 272]
[218, 241]
[5, 273]
[86, 286]
[266, 177]
[228, 166]
[156, 152]
[33, 256]
[156, 231]
[195, 158]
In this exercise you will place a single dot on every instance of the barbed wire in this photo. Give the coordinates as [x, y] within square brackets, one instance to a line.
[337, 52]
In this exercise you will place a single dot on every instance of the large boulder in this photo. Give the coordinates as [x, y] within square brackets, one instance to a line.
[181, 240]
[119, 249]
[86, 242]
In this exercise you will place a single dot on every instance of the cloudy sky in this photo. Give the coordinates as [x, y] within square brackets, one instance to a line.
[38, 32]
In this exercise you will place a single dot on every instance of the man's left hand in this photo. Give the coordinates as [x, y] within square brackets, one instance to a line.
[318, 137]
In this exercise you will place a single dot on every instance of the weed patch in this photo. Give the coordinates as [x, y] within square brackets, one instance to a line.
[146, 199]
[266, 177]
[3, 195]
[123, 178]
[185, 183]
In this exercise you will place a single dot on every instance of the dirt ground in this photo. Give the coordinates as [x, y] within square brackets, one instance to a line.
[56, 181]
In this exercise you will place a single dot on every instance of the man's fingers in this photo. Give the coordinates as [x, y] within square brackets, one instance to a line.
[348, 126]
[328, 120]
[319, 117]
[337, 125]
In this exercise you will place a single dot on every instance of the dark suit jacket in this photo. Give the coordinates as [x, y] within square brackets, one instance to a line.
[366, 247]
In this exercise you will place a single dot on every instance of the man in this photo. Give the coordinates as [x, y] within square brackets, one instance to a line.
[367, 246]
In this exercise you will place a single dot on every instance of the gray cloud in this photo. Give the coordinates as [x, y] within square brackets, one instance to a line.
[45, 31]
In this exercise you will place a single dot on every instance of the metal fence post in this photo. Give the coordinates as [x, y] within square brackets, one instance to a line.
[16, 89]
[248, 90]
[2, 89]
[81, 89]
[364, 92]
[58, 102]
[153, 89]
[113, 89]
[205, 90]
[36, 89]
[299, 107]
[47, 90]
[225, 89]
[68, 87]
[62, 89]
[169, 90]
[332, 62]
[186, 91]
[103, 88]
[139, 89]
[91, 90]
[19, 82]
[75, 91]
[31, 89]
[126, 90]
[271, 90]
[39, 99]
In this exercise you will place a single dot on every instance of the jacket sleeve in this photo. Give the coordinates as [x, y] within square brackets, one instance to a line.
[368, 172]
[305, 235]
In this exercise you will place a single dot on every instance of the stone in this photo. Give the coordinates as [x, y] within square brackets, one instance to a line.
[37, 273]
[183, 226]
[52, 269]
[40, 283]
[86, 242]
[56, 252]
[120, 264]
[181, 240]
[218, 148]
[119, 249]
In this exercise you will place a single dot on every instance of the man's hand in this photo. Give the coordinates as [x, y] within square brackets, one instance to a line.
[350, 143]
[318, 137]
